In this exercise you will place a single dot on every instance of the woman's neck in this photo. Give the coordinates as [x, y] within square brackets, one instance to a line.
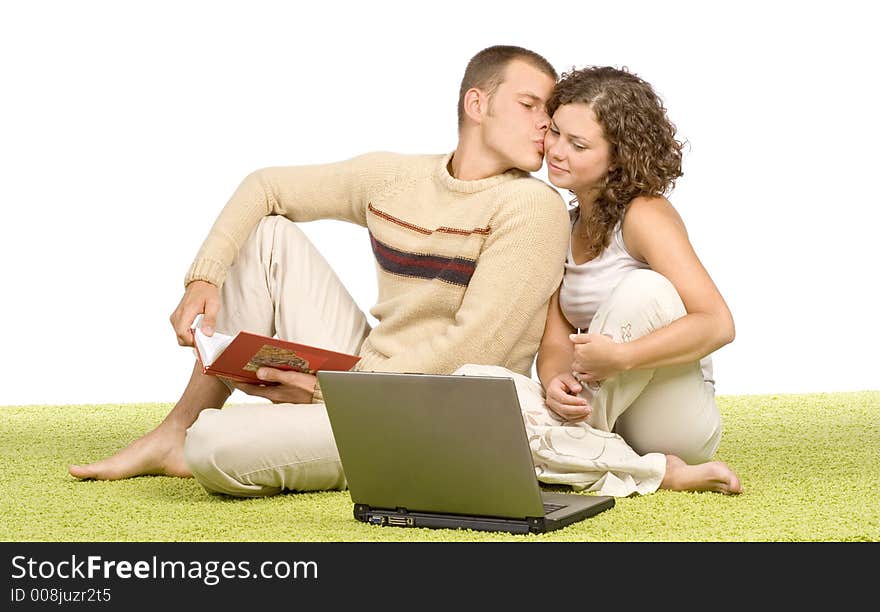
[585, 203]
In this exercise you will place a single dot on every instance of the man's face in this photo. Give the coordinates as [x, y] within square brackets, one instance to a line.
[516, 121]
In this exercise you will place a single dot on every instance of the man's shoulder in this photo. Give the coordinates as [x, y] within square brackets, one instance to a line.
[528, 187]
[391, 158]
[538, 198]
[380, 170]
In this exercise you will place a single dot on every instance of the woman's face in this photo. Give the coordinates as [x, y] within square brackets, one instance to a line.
[578, 156]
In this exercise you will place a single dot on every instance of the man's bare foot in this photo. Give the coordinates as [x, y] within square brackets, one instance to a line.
[709, 476]
[158, 452]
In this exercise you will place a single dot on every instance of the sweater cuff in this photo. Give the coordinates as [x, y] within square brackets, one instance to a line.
[208, 270]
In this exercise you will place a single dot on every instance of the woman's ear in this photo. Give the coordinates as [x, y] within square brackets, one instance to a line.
[613, 165]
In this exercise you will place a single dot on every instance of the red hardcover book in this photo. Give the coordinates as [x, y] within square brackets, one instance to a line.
[239, 357]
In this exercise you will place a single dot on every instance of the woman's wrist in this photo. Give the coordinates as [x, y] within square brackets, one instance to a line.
[625, 356]
[549, 375]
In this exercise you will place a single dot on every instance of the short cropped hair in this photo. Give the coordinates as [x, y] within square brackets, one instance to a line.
[486, 70]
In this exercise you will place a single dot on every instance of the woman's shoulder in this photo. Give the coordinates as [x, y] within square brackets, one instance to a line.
[647, 212]
[648, 218]
[647, 205]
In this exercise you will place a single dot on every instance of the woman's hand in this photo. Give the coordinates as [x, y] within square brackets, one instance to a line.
[562, 398]
[596, 357]
[292, 387]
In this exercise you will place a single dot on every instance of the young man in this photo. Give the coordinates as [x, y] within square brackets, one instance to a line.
[469, 249]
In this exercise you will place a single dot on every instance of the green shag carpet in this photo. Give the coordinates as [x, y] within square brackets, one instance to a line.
[808, 464]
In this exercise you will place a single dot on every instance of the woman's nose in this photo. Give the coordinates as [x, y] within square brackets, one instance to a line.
[552, 149]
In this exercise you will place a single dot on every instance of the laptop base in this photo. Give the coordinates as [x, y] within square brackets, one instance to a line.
[401, 517]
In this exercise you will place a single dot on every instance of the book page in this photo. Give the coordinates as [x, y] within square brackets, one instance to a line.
[209, 347]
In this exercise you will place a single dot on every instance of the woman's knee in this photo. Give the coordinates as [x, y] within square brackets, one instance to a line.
[646, 296]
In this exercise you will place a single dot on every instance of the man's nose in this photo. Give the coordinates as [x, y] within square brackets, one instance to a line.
[543, 122]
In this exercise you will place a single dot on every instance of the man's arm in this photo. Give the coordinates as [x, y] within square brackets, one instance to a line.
[300, 193]
[518, 270]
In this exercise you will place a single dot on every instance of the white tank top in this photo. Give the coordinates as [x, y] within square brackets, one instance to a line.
[585, 286]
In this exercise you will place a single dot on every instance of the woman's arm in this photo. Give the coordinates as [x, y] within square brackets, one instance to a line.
[654, 233]
[556, 350]
[554, 366]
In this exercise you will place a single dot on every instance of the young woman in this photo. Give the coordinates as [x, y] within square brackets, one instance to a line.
[629, 403]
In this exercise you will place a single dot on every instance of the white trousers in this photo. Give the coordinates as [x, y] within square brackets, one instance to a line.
[668, 410]
[279, 285]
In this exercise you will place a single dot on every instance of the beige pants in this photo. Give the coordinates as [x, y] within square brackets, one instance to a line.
[279, 284]
[668, 410]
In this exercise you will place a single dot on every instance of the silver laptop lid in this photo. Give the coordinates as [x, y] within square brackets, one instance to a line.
[431, 443]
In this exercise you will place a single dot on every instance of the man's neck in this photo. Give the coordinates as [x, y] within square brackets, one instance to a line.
[471, 162]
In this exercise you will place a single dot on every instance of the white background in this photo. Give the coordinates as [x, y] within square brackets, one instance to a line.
[126, 126]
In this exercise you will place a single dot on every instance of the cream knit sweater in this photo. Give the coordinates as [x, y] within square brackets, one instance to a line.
[465, 269]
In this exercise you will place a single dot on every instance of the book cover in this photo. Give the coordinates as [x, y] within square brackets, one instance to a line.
[239, 357]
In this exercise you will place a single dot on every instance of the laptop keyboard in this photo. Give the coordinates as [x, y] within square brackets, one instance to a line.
[548, 508]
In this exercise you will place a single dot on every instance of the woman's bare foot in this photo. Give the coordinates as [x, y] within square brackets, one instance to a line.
[709, 476]
[158, 452]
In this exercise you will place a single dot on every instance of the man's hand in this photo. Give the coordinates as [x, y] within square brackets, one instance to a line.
[596, 357]
[200, 297]
[293, 387]
[562, 398]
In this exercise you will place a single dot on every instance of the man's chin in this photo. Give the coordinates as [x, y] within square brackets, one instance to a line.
[532, 165]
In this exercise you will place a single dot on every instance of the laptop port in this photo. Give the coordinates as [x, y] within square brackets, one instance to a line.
[400, 521]
[376, 520]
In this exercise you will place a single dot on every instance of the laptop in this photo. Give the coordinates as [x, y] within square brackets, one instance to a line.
[442, 451]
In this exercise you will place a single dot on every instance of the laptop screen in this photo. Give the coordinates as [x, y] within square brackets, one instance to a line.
[432, 443]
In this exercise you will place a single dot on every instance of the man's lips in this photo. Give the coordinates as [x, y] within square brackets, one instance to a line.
[540, 145]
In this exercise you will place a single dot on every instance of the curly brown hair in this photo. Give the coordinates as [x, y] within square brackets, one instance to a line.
[645, 155]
